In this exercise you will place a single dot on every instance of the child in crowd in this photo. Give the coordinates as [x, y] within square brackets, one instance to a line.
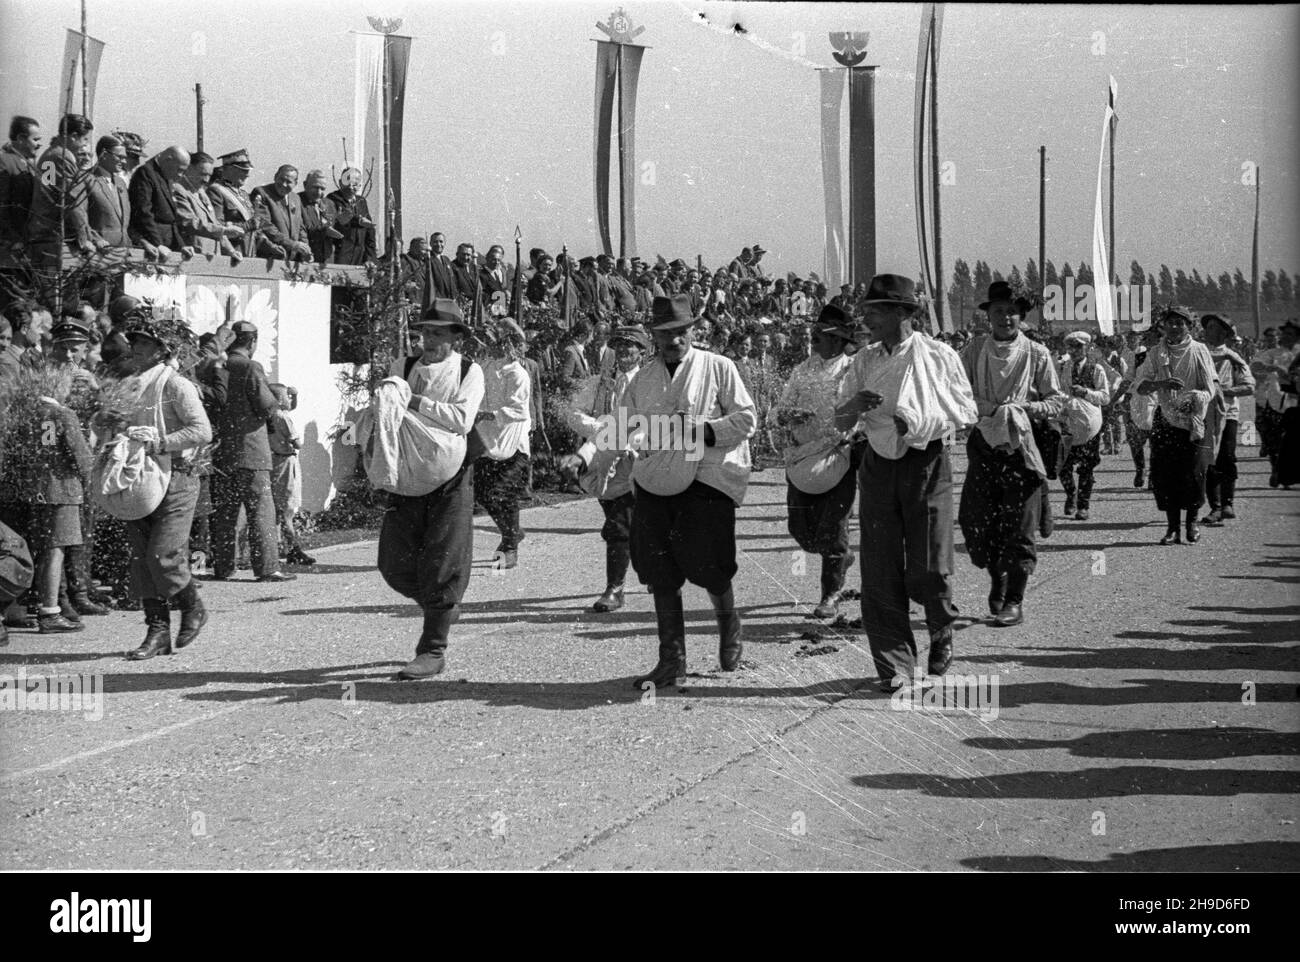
[286, 479]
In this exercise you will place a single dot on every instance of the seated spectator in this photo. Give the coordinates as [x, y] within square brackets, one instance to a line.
[285, 232]
[18, 179]
[155, 218]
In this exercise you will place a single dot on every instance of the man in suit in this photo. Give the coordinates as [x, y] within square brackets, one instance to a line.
[200, 228]
[574, 362]
[110, 208]
[61, 197]
[620, 286]
[232, 204]
[286, 230]
[495, 281]
[18, 178]
[154, 216]
[320, 218]
[416, 274]
[463, 270]
[352, 220]
[444, 282]
[242, 463]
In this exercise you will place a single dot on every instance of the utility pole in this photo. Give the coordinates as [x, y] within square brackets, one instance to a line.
[198, 112]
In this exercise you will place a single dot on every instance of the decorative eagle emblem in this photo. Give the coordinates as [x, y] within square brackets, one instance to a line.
[385, 24]
[619, 27]
[850, 48]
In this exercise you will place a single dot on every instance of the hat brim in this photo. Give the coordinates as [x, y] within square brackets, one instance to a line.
[439, 325]
[675, 324]
[890, 300]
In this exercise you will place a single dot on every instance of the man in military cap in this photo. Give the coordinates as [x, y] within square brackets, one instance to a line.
[232, 203]
[426, 543]
[242, 463]
[689, 480]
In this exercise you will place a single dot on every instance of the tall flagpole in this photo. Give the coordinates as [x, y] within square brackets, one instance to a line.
[1042, 224]
[1254, 261]
[1114, 122]
[85, 82]
[941, 302]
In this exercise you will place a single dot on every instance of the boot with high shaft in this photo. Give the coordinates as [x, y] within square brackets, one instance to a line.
[616, 561]
[193, 615]
[158, 639]
[729, 645]
[1012, 611]
[671, 618]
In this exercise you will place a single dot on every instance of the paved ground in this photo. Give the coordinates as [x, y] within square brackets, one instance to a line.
[1147, 718]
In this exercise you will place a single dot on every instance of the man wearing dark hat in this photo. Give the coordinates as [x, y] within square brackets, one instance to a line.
[607, 469]
[1003, 500]
[689, 478]
[755, 270]
[232, 203]
[740, 266]
[426, 543]
[1235, 381]
[821, 464]
[168, 417]
[242, 463]
[908, 392]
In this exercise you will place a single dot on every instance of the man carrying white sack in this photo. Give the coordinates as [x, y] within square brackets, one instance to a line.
[909, 392]
[1088, 389]
[427, 539]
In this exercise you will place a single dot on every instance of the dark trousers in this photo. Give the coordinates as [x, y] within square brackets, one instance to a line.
[251, 489]
[617, 528]
[1085, 457]
[1221, 478]
[683, 537]
[905, 514]
[426, 550]
[1001, 508]
[160, 543]
[499, 486]
[819, 523]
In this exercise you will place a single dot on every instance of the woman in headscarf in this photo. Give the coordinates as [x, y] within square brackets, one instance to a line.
[1180, 372]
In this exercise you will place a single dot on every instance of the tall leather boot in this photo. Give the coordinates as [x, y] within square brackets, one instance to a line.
[66, 607]
[729, 646]
[77, 568]
[193, 615]
[617, 554]
[431, 650]
[832, 586]
[998, 593]
[1227, 491]
[158, 639]
[1012, 613]
[671, 620]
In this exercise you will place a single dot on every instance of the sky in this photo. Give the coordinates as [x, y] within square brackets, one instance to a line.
[499, 117]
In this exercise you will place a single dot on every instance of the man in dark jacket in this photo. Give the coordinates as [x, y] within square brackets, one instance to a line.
[242, 463]
[286, 230]
[319, 217]
[353, 220]
[18, 178]
[155, 217]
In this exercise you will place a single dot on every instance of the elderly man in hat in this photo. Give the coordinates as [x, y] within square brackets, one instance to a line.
[606, 469]
[1082, 378]
[1235, 381]
[426, 543]
[232, 203]
[505, 421]
[1004, 497]
[689, 478]
[166, 414]
[242, 463]
[820, 463]
[907, 392]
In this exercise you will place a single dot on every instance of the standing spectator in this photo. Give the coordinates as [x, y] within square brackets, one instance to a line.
[444, 282]
[286, 235]
[320, 218]
[286, 477]
[464, 270]
[233, 204]
[242, 465]
[110, 206]
[135, 145]
[154, 215]
[574, 362]
[60, 200]
[200, 227]
[18, 179]
[353, 221]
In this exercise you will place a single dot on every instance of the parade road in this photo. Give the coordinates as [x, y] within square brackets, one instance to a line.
[1144, 717]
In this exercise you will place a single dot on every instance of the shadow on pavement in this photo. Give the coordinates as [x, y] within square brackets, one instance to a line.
[1190, 744]
[1090, 783]
[1237, 657]
[1238, 856]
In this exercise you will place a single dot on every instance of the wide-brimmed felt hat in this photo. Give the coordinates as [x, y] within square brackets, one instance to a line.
[633, 334]
[892, 289]
[671, 313]
[1228, 326]
[1186, 313]
[834, 320]
[124, 305]
[443, 313]
[1000, 291]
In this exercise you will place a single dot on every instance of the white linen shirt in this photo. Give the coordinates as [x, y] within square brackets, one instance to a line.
[506, 393]
[446, 401]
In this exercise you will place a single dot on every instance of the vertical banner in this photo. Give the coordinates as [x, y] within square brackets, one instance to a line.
[862, 173]
[606, 87]
[367, 129]
[925, 166]
[398, 57]
[629, 70]
[919, 151]
[832, 101]
[71, 103]
[1101, 272]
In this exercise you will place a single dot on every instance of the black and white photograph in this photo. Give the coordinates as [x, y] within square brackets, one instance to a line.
[650, 437]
